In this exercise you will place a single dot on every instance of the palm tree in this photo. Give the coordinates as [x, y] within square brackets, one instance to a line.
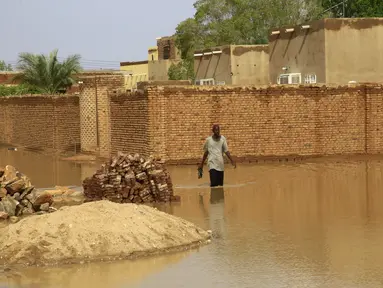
[46, 73]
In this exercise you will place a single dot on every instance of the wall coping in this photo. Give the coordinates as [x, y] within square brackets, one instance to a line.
[321, 87]
[59, 96]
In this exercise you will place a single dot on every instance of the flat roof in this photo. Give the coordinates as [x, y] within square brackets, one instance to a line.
[133, 63]
[327, 24]
[221, 48]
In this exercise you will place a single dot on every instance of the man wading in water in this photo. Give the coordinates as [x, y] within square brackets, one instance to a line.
[215, 146]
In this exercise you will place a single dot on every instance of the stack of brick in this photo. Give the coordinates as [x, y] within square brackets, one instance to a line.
[130, 179]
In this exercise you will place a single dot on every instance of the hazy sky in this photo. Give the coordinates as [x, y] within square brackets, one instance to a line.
[102, 32]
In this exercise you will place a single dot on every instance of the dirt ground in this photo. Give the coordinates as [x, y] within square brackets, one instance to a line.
[96, 231]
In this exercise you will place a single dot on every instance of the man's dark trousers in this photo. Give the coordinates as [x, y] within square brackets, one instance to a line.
[216, 178]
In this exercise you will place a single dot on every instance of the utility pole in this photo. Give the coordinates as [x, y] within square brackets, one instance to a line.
[344, 10]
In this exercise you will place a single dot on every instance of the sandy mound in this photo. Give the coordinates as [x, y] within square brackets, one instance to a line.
[93, 231]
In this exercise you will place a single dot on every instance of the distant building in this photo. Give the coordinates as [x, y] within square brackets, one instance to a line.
[153, 53]
[155, 68]
[167, 49]
[6, 77]
[232, 65]
[167, 54]
[134, 72]
[328, 51]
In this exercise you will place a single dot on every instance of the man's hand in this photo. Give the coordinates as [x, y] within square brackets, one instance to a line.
[231, 159]
[200, 166]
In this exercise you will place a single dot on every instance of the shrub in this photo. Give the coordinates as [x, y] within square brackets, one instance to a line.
[7, 90]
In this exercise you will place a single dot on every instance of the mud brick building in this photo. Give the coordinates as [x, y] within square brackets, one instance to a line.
[331, 51]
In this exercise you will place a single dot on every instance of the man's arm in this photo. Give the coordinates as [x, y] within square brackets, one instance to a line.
[231, 159]
[203, 159]
[226, 151]
[205, 154]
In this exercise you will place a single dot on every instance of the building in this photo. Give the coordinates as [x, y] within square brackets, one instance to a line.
[232, 65]
[328, 51]
[167, 49]
[167, 54]
[134, 72]
[153, 53]
[155, 68]
[6, 77]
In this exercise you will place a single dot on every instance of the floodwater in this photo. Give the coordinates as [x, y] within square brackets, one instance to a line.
[313, 224]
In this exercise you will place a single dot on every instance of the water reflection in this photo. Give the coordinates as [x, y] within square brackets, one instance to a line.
[316, 224]
[117, 274]
[46, 171]
[217, 195]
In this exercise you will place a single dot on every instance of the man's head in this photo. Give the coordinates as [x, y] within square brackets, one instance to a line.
[216, 130]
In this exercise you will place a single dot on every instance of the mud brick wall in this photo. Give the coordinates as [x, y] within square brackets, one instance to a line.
[129, 123]
[374, 119]
[162, 43]
[269, 122]
[47, 123]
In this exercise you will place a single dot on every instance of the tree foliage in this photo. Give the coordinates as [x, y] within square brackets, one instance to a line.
[46, 74]
[354, 8]
[183, 70]
[5, 67]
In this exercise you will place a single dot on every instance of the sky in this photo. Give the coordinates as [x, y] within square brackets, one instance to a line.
[104, 33]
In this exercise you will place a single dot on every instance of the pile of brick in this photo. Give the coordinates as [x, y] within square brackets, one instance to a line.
[18, 197]
[130, 179]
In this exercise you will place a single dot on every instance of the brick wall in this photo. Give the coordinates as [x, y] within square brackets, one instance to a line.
[269, 122]
[40, 122]
[167, 41]
[6, 77]
[129, 123]
[374, 119]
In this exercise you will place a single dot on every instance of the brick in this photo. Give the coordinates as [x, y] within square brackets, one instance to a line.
[278, 121]
[50, 123]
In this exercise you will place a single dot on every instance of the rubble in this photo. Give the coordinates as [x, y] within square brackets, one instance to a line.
[130, 179]
[17, 195]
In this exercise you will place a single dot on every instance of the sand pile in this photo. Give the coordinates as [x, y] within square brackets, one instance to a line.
[130, 179]
[95, 231]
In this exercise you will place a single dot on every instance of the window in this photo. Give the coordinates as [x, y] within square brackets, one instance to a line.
[295, 79]
[310, 78]
[283, 79]
[205, 82]
[166, 52]
[291, 78]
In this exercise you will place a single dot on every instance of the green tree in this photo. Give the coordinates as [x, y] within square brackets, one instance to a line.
[5, 67]
[223, 22]
[354, 8]
[46, 74]
[183, 70]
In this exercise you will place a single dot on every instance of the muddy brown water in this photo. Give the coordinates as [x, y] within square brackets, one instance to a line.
[314, 224]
